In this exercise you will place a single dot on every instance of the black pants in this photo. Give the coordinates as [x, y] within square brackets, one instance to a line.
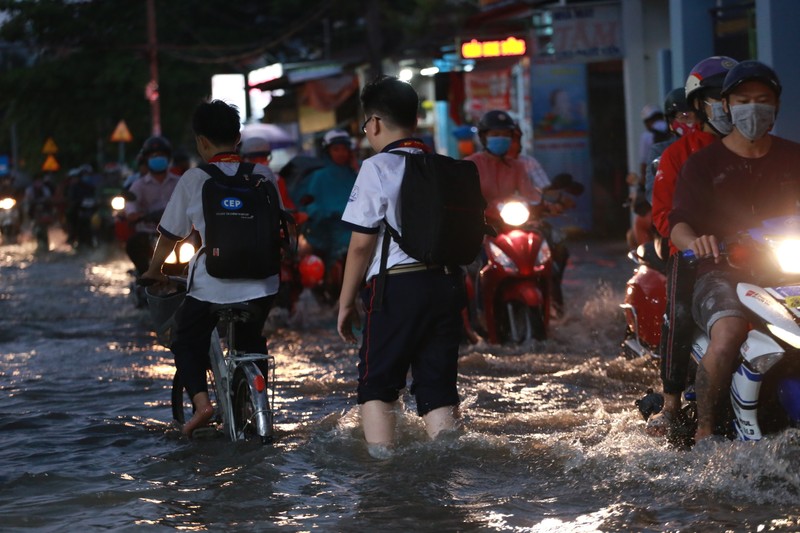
[676, 331]
[140, 250]
[193, 339]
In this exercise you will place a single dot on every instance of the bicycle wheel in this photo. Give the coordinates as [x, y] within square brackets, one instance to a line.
[252, 415]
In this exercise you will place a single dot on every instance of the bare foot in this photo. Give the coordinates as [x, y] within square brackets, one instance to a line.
[200, 418]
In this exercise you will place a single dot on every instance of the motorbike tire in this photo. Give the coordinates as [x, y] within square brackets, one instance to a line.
[523, 316]
[244, 407]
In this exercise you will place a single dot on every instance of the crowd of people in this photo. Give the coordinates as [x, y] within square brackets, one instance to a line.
[709, 168]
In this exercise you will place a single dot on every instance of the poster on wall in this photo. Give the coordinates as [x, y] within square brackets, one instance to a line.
[487, 89]
[561, 131]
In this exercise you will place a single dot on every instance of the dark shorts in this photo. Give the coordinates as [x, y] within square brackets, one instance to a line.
[419, 327]
[714, 298]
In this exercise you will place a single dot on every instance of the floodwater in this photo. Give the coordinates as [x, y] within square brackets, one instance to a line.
[552, 440]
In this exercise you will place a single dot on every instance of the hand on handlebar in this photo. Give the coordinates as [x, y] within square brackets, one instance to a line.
[706, 246]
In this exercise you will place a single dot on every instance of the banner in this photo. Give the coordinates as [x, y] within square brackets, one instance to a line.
[561, 138]
[587, 33]
[486, 90]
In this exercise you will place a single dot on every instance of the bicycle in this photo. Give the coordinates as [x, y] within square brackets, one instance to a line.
[242, 385]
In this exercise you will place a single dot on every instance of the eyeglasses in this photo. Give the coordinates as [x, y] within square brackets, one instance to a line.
[364, 125]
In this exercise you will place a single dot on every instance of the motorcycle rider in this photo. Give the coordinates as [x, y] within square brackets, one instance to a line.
[328, 191]
[38, 203]
[501, 176]
[703, 88]
[151, 193]
[258, 150]
[682, 120]
[725, 188]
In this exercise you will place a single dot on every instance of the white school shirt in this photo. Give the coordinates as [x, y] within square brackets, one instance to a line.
[185, 210]
[374, 197]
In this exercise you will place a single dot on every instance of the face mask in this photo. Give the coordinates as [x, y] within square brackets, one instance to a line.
[498, 145]
[682, 128]
[719, 119]
[158, 163]
[753, 120]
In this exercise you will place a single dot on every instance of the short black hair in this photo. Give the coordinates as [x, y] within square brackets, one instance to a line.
[391, 99]
[217, 120]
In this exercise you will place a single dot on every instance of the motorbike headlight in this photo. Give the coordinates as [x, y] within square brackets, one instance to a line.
[792, 339]
[118, 203]
[185, 252]
[788, 254]
[171, 258]
[515, 213]
[7, 203]
[544, 254]
[500, 257]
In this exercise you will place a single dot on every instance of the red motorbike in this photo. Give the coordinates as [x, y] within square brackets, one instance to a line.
[645, 303]
[510, 296]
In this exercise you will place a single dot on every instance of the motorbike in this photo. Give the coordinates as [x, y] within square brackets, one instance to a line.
[176, 264]
[644, 303]
[765, 388]
[9, 219]
[510, 296]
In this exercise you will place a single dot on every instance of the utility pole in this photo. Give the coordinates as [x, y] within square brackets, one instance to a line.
[151, 90]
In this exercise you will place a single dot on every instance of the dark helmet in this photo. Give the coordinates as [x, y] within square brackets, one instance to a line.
[496, 120]
[675, 102]
[708, 74]
[751, 71]
[156, 144]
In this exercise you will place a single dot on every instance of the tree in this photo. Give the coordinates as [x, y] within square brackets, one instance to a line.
[86, 62]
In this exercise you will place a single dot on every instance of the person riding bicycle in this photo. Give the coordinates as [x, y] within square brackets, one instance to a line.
[703, 88]
[328, 191]
[216, 128]
[151, 193]
[725, 188]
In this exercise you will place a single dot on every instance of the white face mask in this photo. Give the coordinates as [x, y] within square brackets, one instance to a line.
[719, 119]
[753, 120]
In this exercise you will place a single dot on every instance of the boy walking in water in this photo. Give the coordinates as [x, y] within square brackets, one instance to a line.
[418, 325]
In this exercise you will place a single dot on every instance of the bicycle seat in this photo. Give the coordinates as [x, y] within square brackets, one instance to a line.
[237, 312]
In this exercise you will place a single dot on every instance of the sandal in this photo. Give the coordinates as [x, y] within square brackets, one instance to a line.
[659, 424]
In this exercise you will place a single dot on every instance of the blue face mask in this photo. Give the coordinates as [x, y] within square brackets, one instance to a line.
[498, 145]
[158, 163]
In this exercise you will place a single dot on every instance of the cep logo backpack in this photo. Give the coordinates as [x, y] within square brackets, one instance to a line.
[441, 210]
[245, 225]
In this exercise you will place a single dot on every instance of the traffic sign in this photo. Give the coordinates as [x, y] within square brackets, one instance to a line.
[50, 164]
[121, 133]
[49, 147]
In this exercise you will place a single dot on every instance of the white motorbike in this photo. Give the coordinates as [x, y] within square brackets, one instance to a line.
[771, 352]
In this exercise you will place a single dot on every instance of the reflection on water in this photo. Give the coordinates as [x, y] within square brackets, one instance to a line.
[551, 440]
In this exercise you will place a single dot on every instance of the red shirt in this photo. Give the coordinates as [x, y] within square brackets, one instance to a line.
[667, 176]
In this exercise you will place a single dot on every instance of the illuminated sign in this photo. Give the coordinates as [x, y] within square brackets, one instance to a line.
[508, 47]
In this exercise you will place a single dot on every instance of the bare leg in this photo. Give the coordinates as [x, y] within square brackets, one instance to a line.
[378, 420]
[203, 411]
[440, 419]
[714, 373]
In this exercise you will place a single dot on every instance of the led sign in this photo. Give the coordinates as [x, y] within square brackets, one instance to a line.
[508, 47]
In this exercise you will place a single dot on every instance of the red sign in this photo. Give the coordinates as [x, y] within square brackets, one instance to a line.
[508, 47]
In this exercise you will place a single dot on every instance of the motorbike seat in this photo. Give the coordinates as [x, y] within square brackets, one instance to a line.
[647, 255]
[237, 312]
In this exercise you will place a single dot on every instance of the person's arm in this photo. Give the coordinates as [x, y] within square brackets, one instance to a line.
[164, 247]
[664, 188]
[692, 198]
[359, 256]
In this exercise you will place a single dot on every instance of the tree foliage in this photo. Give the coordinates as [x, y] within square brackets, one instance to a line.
[72, 69]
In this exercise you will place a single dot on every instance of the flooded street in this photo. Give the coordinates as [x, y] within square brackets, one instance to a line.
[552, 440]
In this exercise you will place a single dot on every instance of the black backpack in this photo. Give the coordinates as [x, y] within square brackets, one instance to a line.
[441, 209]
[245, 225]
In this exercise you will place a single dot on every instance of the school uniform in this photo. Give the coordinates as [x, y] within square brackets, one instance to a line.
[418, 325]
[195, 321]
